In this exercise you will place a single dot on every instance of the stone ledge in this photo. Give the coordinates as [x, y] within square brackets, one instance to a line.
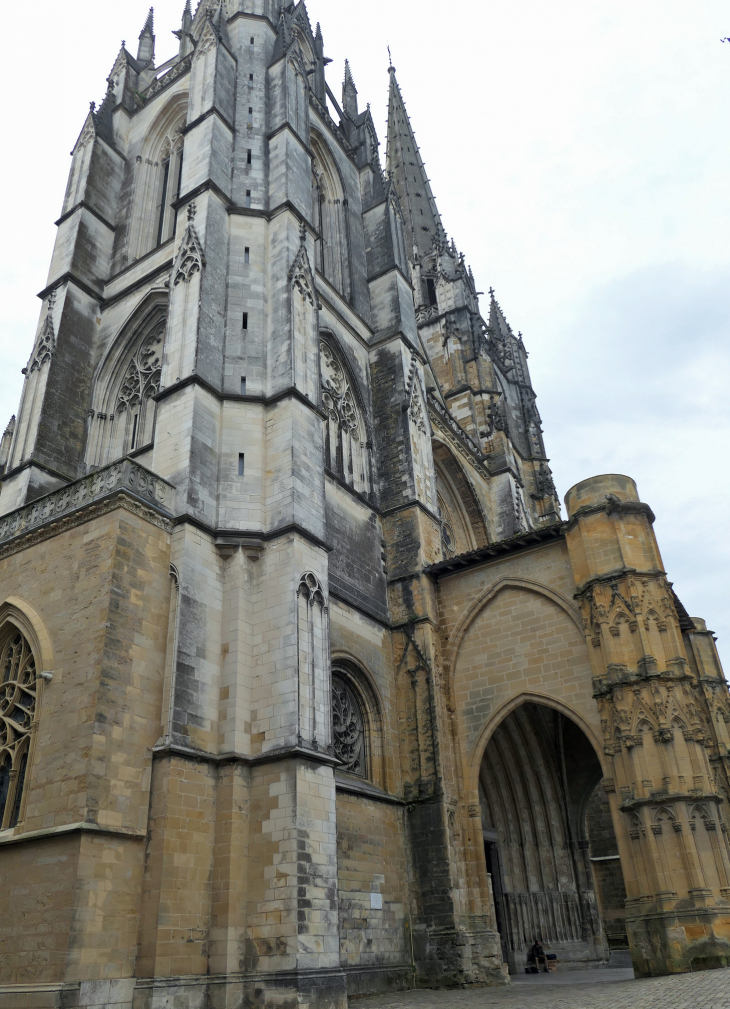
[70, 828]
[123, 476]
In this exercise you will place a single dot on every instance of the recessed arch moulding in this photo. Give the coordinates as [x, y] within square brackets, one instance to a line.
[588, 627]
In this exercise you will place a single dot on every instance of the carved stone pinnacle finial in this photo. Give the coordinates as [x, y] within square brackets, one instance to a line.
[191, 211]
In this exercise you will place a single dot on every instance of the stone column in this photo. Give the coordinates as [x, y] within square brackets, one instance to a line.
[658, 734]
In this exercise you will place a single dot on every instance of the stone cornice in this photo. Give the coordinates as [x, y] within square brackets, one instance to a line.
[525, 541]
[206, 115]
[64, 829]
[665, 798]
[83, 205]
[612, 507]
[167, 748]
[613, 576]
[124, 483]
[291, 392]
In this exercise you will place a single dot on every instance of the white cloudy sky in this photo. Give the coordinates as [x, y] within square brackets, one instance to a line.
[580, 156]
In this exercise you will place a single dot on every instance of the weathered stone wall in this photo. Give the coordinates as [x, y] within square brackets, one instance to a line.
[100, 593]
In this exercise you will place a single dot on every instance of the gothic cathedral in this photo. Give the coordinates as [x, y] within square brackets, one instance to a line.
[308, 689]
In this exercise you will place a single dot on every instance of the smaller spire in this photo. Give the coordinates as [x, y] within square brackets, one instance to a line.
[349, 93]
[183, 33]
[146, 48]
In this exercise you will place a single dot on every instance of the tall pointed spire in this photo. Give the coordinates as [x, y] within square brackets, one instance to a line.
[146, 48]
[349, 93]
[497, 321]
[183, 33]
[405, 166]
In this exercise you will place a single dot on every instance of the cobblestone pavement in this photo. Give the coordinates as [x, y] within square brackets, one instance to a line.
[594, 989]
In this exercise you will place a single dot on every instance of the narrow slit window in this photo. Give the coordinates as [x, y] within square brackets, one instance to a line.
[163, 202]
[252, 40]
[250, 77]
[248, 197]
[248, 156]
[135, 423]
[243, 386]
[247, 255]
[245, 321]
[241, 463]
[431, 286]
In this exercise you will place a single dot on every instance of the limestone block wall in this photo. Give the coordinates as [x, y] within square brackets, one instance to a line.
[511, 629]
[99, 592]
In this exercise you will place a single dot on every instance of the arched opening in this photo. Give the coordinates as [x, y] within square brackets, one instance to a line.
[549, 842]
[18, 711]
[122, 417]
[329, 208]
[462, 523]
[356, 722]
[157, 180]
[348, 446]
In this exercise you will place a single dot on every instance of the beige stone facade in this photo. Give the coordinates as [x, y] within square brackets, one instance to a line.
[308, 690]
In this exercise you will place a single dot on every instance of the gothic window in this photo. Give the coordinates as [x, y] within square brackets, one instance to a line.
[157, 181]
[329, 208]
[123, 408]
[134, 411]
[168, 182]
[348, 728]
[347, 447]
[17, 710]
[462, 524]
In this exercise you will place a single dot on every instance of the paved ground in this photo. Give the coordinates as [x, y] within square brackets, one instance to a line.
[584, 989]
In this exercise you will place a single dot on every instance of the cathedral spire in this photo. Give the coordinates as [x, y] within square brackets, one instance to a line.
[349, 93]
[186, 25]
[405, 166]
[497, 322]
[146, 47]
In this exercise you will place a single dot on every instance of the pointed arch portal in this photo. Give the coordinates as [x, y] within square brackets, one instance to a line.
[549, 841]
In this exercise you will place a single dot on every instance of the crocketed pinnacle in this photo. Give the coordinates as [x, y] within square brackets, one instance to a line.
[146, 47]
[349, 93]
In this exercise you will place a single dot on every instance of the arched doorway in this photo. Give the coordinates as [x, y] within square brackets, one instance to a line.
[549, 842]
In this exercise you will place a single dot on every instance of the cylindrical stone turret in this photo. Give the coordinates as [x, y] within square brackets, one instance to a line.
[659, 738]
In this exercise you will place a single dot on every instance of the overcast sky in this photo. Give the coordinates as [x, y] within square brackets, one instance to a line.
[580, 157]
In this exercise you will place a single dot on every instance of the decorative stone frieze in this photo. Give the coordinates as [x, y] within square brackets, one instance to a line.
[124, 475]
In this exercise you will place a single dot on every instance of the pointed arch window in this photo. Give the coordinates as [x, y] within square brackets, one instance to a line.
[157, 173]
[348, 450]
[348, 728]
[329, 207]
[168, 183]
[18, 699]
[123, 412]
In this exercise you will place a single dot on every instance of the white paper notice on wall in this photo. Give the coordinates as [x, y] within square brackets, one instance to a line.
[376, 901]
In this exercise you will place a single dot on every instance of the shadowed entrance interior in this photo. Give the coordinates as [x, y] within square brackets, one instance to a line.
[549, 841]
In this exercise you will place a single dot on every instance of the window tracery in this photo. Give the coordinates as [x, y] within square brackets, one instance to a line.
[18, 698]
[348, 728]
[123, 411]
[141, 382]
[347, 448]
[157, 181]
[329, 206]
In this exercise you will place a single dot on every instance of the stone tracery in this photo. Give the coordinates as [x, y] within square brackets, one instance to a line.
[348, 728]
[347, 447]
[18, 695]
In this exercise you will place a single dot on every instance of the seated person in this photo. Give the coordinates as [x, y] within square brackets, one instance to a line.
[538, 955]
